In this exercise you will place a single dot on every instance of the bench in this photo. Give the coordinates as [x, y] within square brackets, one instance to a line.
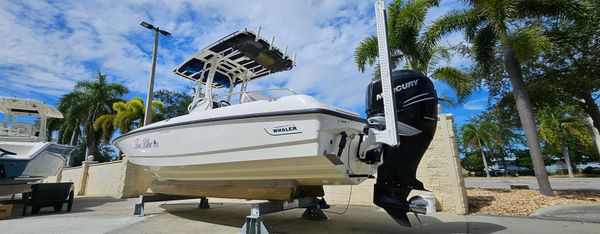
[49, 195]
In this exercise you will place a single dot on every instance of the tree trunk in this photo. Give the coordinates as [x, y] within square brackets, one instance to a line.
[591, 109]
[91, 134]
[485, 166]
[513, 67]
[504, 163]
[91, 141]
[565, 153]
[75, 135]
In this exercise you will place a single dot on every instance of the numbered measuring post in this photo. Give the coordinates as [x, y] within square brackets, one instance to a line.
[390, 135]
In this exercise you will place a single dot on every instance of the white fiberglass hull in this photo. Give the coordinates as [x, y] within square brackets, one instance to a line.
[300, 143]
[33, 161]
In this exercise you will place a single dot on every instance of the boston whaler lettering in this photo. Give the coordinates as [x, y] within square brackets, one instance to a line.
[283, 130]
[262, 141]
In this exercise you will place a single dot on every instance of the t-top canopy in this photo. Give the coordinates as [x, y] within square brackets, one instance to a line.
[28, 107]
[240, 56]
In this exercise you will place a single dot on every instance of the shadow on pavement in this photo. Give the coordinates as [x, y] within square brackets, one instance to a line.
[356, 220]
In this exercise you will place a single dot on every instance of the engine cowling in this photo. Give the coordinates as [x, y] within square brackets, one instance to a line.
[416, 110]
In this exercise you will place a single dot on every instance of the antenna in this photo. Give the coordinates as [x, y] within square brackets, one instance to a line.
[258, 33]
[272, 43]
[285, 52]
[294, 60]
[388, 136]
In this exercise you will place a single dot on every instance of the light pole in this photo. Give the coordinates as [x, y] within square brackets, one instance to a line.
[147, 114]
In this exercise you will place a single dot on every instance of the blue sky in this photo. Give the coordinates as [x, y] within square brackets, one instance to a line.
[47, 46]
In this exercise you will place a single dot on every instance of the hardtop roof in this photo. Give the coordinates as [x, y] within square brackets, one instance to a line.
[28, 106]
[243, 56]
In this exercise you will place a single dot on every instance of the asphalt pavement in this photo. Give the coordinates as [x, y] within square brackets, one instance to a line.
[579, 212]
[108, 215]
[556, 183]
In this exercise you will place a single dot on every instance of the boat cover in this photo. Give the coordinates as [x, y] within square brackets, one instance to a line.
[243, 57]
[28, 106]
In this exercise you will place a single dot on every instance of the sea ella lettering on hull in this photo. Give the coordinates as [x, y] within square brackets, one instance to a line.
[283, 130]
[145, 143]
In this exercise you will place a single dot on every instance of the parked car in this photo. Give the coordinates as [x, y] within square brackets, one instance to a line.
[511, 171]
[591, 170]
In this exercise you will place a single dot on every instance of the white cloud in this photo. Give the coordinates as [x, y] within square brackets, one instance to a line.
[48, 46]
[476, 104]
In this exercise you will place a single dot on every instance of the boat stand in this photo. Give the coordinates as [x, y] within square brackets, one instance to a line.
[254, 224]
[139, 206]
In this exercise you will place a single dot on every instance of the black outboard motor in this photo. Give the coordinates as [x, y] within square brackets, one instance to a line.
[416, 106]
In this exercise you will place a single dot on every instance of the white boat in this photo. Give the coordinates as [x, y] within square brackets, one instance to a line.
[25, 155]
[252, 140]
[281, 138]
[262, 138]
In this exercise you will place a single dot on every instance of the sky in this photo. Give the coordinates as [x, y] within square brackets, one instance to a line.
[47, 46]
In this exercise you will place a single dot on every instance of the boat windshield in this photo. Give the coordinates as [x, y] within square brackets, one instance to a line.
[24, 119]
[255, 95]
[19, 125]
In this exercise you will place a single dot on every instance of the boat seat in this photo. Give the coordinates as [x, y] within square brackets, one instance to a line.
[21, 129]
[251, 97]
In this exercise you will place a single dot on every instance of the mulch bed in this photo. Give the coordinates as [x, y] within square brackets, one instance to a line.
[523, 202]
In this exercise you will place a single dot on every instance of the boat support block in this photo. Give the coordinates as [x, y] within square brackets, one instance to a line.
[254, 224]
[139, 206]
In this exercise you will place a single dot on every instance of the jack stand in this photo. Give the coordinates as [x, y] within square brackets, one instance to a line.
[254, 224]
[139, 206]
[314, 213]
[204, 203]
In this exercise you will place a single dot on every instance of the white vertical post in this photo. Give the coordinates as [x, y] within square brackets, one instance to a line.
[43, 127]
[148, 111]
[390, 135]
[294, 60]
[257, 33]
[214, 63]
[7, 118]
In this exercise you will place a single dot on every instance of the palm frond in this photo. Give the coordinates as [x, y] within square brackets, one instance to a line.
[462, 83]
[528, 42]
[570, 9]
[435, 56]
[104, 124]
[451, 22]
[366, 53]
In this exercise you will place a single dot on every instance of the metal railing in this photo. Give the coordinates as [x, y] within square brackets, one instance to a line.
[229, 95]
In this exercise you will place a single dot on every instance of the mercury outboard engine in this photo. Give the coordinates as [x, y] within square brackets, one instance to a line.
[416, 111]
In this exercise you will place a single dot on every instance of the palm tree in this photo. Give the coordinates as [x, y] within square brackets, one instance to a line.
[88, 100]
[126, 116]
[406, 19]
[488, 22]
[477, 138]
[557, 125]
[73, 111]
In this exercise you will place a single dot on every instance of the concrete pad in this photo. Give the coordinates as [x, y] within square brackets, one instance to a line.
[185, 217]
[580, 212]
[89, 215]
[108, 215]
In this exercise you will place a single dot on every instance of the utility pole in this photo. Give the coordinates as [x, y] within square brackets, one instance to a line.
[148, 111]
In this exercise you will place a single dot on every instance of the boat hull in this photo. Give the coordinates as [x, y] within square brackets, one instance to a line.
[294, 146]
[46, 159]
